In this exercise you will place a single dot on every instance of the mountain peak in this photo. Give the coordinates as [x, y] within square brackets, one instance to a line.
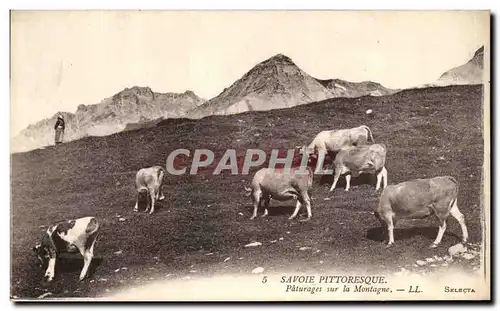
[190, 93]
[141, 90]
[479, 51]
[468, 73]
[280, 58]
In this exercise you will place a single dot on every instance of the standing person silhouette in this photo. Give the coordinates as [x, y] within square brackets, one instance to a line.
[59, 128]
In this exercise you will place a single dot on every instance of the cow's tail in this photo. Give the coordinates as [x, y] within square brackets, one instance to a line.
[160, 173]
[370, 135]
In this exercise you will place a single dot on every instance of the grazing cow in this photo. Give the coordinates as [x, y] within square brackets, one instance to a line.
[363, 159]
[282, 185]
[148, 181]
[417, 199]
[76, 235]
[331, 142]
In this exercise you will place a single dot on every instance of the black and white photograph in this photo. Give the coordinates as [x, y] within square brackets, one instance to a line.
[258, 155]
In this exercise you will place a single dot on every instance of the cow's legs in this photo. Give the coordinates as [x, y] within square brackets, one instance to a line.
[153, 196]
[136, 207]
[389, 220]
[50, 272]
[256, 200]
[384, 176]
[442, 229]
[336, 178]
[266, 199]
[159, 194]
[455, 212]
[347, 182]
[379, 180]
[147, 197]
[88, 254]
[307, 203]
[296, 211]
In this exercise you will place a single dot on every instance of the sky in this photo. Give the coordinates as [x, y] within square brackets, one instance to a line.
[62, 59]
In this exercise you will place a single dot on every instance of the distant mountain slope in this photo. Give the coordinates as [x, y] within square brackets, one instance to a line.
[279, 83]
[468, 73]
[109, 116]
[274, 83]
[341, 88]
[143, 123]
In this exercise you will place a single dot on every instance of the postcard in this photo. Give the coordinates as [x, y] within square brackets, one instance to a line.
[250, 155]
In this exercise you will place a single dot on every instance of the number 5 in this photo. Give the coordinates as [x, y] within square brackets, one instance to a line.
[264, 279]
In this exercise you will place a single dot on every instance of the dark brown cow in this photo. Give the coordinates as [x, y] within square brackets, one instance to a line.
[77, 235]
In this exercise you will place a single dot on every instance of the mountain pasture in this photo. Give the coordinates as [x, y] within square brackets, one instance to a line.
[204, 218]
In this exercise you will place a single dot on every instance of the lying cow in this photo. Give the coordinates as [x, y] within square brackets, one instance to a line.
[282, 185]
[331, 142]
[77, 235]
[354, 161]
[148, 183]
[419, 198]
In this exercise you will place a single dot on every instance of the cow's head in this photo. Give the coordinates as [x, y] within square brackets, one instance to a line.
[41, 253]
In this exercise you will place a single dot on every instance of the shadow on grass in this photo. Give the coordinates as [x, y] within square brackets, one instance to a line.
[74, 263]
[276, 210]
[363, 179]
[144, 201]
[379, 234]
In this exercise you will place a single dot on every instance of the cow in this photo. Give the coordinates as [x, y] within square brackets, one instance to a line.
[148, 183]
[281, 184]
[71, 236]
[354, 161]
[331, 142]
[418, 199]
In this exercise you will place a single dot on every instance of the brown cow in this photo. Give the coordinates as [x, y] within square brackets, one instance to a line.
[331, 142]
[363, 159]
[282, 185]
[149, 181]
[419, 198]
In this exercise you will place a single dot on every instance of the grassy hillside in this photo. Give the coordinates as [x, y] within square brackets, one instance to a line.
[428, 132]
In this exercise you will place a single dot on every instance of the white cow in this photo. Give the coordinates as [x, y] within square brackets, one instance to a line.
[76, 235]
[148, 181]
[282, 185]
[419, 198]
[331, 142]
[354, 161]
